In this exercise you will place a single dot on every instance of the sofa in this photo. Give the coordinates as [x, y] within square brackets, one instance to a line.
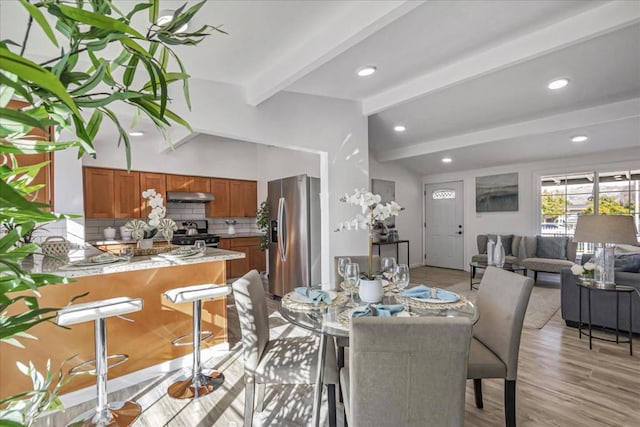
[547, 254]
[603, 304]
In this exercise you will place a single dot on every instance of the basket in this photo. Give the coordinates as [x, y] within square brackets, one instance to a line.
[55, 246]
[155, 250]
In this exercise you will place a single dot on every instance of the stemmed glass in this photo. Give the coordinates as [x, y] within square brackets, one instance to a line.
[388, 266]
[342, 263]
[351, 280]
[126, 253]
[401, 276]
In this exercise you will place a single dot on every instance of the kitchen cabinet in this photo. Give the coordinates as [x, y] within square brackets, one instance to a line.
[219, 207]
[243, 198]
[194, 184]
[45, 175]
[254, 257]
[98, 193]
[157, 181]
[126, 194]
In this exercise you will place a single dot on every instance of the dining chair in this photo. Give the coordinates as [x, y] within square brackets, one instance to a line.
[289, 360]
[502, 300]
[406, 371]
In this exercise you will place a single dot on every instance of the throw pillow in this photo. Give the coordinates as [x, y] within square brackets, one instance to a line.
[507, 241]
[551, 247]
[628, 263]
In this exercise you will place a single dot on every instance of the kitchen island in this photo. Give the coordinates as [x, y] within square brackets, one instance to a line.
[146, 340]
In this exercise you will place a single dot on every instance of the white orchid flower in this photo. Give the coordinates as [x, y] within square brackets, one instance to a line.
[589, 266]
[577, 269]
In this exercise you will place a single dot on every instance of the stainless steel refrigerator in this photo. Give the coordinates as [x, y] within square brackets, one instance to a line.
[294, 233]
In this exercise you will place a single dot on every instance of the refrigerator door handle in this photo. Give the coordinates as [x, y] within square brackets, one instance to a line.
[281, 241]
[285, 231]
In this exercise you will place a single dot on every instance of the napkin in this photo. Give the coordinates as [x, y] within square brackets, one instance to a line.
[362, 312]
[316, 296]
[424, 292]
[389, 310]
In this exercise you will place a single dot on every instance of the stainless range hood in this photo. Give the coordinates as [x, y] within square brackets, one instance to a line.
[187, 197]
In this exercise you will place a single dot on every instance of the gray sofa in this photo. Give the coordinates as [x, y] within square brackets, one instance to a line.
[603, 304]
[525, 250]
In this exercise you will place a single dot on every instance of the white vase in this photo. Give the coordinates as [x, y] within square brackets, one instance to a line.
[490, 247]
[371, 290]
[145, 244]
[498, 253]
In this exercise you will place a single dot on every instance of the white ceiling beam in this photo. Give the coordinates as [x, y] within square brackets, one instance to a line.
[176, 141]
[591, 23]
[565, 121]
[325, 45]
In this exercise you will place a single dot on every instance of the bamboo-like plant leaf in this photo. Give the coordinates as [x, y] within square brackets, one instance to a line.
[97, 20]
[169, 78]
[129, 73]
[37, 15]
[91, 82]
[101, 102]
[16, 116]
[33, 72]
[7, 79]
[124, 135]
[94, 123]
[137, 8]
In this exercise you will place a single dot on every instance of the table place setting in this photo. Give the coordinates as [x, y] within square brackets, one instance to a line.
[304, 299]
[95, 261]
[422, 296]
[374, 310]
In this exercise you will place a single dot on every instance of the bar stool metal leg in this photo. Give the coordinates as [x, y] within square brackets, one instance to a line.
[116, 414]
[198, 384]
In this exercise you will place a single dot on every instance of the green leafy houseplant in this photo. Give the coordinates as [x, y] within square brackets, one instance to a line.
[262, 221]
[73, 91]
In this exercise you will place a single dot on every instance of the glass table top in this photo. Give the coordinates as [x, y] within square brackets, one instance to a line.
[327, 320]
[507, 266]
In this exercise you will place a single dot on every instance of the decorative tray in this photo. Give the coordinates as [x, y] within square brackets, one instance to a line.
[292, 301]
[344, 318]
[421, 303]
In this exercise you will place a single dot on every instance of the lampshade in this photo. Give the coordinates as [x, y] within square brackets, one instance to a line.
[606, 229]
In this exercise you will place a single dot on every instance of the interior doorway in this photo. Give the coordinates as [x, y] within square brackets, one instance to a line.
[444, 227]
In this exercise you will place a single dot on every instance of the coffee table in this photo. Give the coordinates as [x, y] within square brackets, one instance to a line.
[473, 266]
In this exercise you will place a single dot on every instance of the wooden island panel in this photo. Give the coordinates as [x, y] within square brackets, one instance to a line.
[147, 340]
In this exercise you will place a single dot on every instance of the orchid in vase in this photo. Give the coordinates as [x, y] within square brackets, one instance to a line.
[373, 211]
[157, 222]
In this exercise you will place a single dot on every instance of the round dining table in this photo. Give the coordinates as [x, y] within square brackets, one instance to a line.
[329, 322]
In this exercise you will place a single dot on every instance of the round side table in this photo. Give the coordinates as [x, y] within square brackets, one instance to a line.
[618, 289]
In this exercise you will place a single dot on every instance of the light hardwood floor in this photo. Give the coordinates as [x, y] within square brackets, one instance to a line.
[560, 383]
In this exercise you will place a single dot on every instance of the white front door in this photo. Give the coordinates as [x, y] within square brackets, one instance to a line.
[444, 227]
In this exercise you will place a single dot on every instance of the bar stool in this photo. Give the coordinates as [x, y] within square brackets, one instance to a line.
[198, 384]
[114, 413]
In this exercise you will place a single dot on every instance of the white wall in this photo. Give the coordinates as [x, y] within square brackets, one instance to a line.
[408, 195]
[526, 221]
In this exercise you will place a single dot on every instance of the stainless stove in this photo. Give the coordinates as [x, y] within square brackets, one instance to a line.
[184, 235]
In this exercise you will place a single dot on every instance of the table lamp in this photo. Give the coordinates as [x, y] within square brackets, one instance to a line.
[605, 231]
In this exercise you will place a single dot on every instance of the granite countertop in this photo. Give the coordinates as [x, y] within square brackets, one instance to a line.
[232, 236]
[59, 267]
[119, 241]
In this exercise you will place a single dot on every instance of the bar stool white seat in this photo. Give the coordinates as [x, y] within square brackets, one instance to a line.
[198, 384]
[104, 414]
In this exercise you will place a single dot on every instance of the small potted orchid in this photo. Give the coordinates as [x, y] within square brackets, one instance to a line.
[373, 211]
[142, 231]
[586, 272]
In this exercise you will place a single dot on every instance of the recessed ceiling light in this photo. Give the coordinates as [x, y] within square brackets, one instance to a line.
[399, 128]
[446, 160]
[136, 133]
[166, 16]
[558, 84]
[579, 138]
[366, 71]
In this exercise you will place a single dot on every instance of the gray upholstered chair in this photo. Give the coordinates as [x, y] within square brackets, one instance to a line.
[502, 300]
[280, 361]
[406, 371]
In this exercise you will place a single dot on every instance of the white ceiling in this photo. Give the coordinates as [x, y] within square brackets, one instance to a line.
[467, 78]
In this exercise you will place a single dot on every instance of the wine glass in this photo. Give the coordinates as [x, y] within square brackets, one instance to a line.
[351, 279]
[388, 265]
[126, 253]
[342, 263]
[200, 246]
[401, 276]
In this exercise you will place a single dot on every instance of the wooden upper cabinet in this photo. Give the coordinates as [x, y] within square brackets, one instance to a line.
[45, 175]
[250, 198]
[199, 184]
[127, 194]
[219, 207]
[243, 198]
[178, 182]
[98, 193]
[157, 181]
